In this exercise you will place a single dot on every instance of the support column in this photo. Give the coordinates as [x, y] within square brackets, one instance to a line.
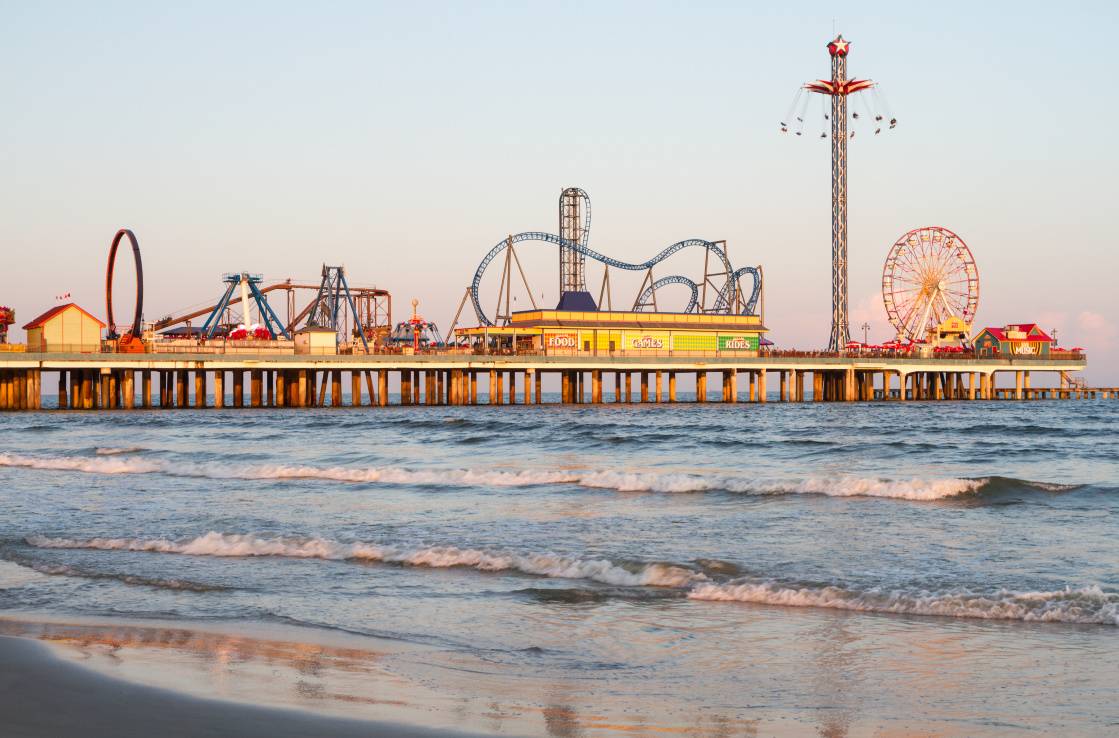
[512, 387]
[701, 386]
[199, 389]
[658, 389]
[784, 389]
[1018, 385]
[761, 386]
[672, 386]
[239, 388]
[629, 387]
[219, 389]
[383, 387]
[1026, 385]
[181, 388]
[500, 397]
[63, 391]
[644, 387]
[617, 387]
[538, 380]
[596, 386]
[849, 385]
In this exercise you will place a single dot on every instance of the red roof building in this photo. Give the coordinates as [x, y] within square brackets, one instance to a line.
[1015, 339]
[65, 328]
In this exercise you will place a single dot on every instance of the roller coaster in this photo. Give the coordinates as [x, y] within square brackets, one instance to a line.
[575, 224]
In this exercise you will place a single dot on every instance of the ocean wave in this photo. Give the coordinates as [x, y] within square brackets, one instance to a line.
[113, 451]
[621, 481]
[1085, 605]
[435, 557]
[64, 570]
[96, 465]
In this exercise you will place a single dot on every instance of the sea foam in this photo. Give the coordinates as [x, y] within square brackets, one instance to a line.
[1085, 605]
[1089, 605]
[662, 482]
[537, 564]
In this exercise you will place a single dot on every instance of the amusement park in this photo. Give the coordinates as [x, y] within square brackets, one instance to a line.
[698, 308]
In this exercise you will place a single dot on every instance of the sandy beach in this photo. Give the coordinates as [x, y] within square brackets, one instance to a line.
[43, 696]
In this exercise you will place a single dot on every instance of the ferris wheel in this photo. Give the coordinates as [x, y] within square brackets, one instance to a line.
[929, 276]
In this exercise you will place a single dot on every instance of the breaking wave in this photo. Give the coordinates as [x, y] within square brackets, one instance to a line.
[1088, 605]
[102, 464]
[63, 570]
[1085, 605]
[436, 557]
[110, 461]
[114, 451]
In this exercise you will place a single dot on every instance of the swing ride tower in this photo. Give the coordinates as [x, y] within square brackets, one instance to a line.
[839, 88]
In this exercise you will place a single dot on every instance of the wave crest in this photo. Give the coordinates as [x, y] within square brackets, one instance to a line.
[436, 557]
[1085, 605]
[111, 461]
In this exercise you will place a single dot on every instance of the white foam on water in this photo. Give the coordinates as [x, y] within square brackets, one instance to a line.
[667, 482]
[113, 451]
[1085, 605]
[96, 465]
[538, 564]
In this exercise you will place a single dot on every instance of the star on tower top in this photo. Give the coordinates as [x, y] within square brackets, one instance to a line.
[839, 47]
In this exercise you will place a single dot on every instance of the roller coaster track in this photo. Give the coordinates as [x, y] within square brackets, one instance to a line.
[724, 301]
[644, 299]
[725, 298]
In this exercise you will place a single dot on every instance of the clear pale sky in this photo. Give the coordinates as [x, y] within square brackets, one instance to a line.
[405, 139]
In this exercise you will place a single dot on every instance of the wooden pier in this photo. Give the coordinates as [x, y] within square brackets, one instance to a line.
[128, 381]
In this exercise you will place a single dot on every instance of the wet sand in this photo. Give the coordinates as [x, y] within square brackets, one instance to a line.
[44, 696]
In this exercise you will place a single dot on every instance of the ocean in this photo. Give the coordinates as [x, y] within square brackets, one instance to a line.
[816, 569]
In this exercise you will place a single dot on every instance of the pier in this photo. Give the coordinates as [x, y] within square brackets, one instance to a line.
[129, 381]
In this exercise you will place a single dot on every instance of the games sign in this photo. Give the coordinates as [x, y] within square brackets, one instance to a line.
[646, 342]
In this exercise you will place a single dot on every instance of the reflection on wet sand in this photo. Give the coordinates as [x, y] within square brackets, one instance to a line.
[348, 680]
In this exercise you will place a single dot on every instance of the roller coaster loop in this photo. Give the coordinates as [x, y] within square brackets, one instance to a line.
[135, 329]
[727, 295]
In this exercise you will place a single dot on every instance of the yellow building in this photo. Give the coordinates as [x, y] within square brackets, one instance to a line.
[563, 332]
[952, 331]
[66, 328]
[316, 340]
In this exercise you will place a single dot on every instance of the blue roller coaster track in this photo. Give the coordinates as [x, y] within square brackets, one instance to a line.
[725, 300]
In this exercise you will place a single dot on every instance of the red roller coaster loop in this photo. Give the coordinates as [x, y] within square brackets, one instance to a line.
[133, 333]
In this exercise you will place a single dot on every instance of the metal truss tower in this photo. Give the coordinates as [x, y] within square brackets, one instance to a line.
[840, 326]
[574, 222]
[838, 88]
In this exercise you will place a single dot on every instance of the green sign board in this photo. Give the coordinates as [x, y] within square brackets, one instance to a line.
[738, 343]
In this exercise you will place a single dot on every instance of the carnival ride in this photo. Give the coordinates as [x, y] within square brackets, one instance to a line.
[364, 312]
[929, 276]
[7, 317]
[132, 340]
[718, 291]
[415, 332]
[249, 288]
[843, 127]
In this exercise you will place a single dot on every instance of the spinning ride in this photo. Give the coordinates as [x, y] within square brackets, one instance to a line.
[929, 276]
[842, 120]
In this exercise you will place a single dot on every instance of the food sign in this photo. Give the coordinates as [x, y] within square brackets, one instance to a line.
[568, 341]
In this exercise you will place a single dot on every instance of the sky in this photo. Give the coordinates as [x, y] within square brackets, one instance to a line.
[404, 140]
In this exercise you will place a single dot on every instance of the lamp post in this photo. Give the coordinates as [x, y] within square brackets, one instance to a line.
[866, 327]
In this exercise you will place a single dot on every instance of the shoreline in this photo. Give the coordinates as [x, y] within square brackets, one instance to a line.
[43, 695]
